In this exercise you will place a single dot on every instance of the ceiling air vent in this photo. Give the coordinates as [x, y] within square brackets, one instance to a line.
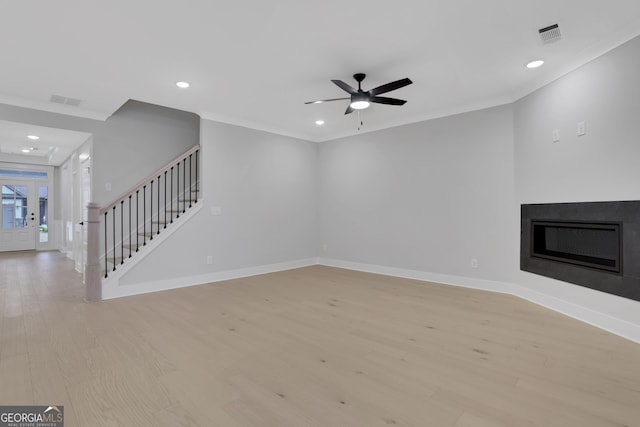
[58, 99]
[550, 34]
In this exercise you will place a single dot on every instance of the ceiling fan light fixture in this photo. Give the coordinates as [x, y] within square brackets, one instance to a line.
[360, 99]
[360, 105]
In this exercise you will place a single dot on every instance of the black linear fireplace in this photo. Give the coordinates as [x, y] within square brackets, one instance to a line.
[588, 244]
[594, 244]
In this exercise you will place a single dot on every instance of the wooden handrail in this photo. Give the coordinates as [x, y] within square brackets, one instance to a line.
[149, 178]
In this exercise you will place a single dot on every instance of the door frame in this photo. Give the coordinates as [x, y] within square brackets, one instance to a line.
[49, 182]
[75, 183]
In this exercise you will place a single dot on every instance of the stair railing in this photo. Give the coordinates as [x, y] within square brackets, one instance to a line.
[132, 221]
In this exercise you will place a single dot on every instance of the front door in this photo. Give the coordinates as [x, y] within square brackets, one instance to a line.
[19, 216]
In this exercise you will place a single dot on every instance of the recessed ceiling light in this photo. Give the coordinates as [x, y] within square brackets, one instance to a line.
[34, 137]
[535, 64]
[26, 150]
[319, 122]
[182, 85]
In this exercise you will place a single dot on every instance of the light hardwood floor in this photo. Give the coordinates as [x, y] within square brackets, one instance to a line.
[316, 346]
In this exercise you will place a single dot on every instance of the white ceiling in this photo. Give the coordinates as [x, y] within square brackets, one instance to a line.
[53, 147]
[255, 62]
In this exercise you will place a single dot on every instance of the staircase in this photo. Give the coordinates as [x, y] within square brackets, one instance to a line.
[120, 232]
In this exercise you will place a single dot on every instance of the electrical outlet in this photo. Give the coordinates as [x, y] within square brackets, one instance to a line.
[209, 259]
[474, 263]
[216, 210]
[556, 135]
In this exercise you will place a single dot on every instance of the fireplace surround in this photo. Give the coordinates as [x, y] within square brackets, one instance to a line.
[592, 244]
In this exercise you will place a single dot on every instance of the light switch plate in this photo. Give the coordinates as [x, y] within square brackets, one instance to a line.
[581, 128]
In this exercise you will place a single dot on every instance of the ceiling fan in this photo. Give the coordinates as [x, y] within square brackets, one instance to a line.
[361, 99]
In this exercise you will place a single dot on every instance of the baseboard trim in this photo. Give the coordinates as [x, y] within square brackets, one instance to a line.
[620, 327]
[609, 323]
[466, 282]
[117, 291]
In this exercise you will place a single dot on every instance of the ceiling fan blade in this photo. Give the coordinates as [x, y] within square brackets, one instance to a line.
[345, 87]
[349, 110]
[390, 86]
[388, 101]
[320, 101]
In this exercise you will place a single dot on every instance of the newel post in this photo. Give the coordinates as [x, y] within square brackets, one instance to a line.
[92, 269]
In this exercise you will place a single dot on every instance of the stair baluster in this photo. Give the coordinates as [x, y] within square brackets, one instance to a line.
[167, 202]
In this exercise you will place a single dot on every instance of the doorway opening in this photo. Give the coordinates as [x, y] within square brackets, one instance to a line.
[24, 218]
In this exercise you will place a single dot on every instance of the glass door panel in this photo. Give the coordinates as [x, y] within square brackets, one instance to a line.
[44, 213]
[18, 217]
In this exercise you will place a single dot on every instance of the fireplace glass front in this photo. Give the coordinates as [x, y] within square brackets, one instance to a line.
[593, 245]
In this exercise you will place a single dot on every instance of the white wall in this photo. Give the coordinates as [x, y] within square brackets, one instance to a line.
[602, 165]
[69, 207]
[599, 166]
[266, 186]
[428, 196]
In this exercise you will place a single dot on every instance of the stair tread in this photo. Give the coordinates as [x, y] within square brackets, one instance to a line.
[118, 259]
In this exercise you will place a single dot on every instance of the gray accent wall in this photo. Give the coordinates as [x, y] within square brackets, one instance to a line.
[265, 186]
[430, 196]
[137, 140]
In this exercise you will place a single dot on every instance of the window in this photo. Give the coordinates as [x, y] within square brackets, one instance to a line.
[10, 173]
[14, 206]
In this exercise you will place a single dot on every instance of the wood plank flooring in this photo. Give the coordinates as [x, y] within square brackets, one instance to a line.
[316, 346]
